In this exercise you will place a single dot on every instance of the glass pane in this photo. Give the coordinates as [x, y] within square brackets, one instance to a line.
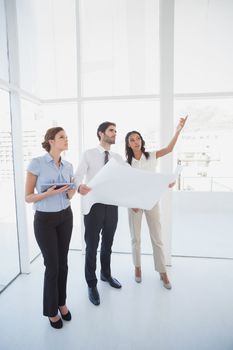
[28, 50]
[48, 49]
[203, 46]
[202, 210]
[9, 255]
[36, 120]
[119, 47]
[128, 115]
[205, 146]
[4, 73]
[57, 48]
[31, 116]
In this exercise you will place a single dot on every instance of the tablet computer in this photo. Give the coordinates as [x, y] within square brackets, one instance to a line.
[58, 185]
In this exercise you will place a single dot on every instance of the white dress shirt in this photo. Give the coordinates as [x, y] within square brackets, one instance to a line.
[91, 162]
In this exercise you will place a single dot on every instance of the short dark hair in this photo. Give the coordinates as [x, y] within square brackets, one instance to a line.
[103, 126]
[50, 135]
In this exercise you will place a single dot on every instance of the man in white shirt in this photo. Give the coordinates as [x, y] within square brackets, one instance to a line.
[102, 218]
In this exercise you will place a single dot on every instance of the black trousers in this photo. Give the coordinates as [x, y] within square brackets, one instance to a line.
[53, 232]
[101, 219]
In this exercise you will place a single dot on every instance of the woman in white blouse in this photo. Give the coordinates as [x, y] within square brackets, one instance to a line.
[137, 157]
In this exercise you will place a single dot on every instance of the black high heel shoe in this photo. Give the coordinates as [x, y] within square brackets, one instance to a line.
[67, 316]
[57, 324]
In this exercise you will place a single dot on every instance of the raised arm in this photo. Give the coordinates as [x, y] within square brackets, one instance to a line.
[162, 152]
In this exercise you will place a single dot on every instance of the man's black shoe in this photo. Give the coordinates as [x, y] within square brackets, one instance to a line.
[93, 295]
[112, 281]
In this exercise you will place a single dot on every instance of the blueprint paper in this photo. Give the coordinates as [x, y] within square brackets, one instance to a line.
[122, 185]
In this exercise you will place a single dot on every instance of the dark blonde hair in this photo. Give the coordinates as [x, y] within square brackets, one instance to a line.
[50, 135]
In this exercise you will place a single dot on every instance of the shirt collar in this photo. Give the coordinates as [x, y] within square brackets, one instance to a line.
[49, 158]
[102, 150]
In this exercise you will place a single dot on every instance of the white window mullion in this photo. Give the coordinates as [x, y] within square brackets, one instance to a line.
[13, 52]
[166, 36]
[80, 131]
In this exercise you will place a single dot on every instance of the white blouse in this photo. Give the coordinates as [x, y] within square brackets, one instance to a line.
[145, 164]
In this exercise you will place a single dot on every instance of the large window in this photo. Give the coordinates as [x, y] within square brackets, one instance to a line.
[9, 255]
[205, 147]
[47, 47]
[92, 61]
[203, 69]
[120, 57]
[202, 218]
[203, 46]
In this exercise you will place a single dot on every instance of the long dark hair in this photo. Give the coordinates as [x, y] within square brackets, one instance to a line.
[128, 151]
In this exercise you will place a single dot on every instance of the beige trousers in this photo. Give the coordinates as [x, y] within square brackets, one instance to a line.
[153, 221]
